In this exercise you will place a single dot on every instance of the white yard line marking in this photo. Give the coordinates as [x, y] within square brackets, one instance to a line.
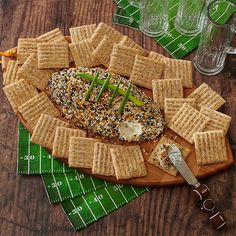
[134, 12]
[122, 194]
[118, 1]
[78, 213]
[80, 182]
[166, 34]
[58, 191]
[127, 6]
[223, 13]
[134, 191]
[100, 202]
[28, 153]
[173, 6]
[123, 16]
[52, 164]
[89, 208]
[93, 182]
[183, 44]
[111, 198]
[71, 193]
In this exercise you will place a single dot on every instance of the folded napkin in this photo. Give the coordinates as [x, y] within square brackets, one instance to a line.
[83, 198]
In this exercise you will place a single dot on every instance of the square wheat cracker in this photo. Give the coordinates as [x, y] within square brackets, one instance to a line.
[81, 32]
[25, 47]
[105, 30]
[53, 55]
[128, 42]
[122, 59]
[145, 70]
[207, 97]
[156, 56]
[62, 140]
[168, 88]
[172, 105]
[45, 129]
[36, 106]
[82, 54]
[52, 36]
[55, 36]
[19, 92]
[161, 159]
[81, 152]
[102, 161]
[103, 51]
[11, 73]
[219, 121]
[128, 162]
[210, 147]
[30, 72]
[188, 121]
[180, 69]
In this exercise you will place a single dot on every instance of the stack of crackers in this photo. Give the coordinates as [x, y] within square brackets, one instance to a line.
[72, 144]
[195, 118]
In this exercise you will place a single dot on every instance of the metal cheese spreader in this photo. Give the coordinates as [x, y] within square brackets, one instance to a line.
[200, 191]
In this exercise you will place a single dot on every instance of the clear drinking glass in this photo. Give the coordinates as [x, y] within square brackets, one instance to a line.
[134, 2]
[153, 17]
[215, 43]
[191, 16]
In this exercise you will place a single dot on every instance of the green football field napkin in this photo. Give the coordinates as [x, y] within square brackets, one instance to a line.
[86, 209]
[64, 186]
[172, 41]
[83, 198]
[34, 159]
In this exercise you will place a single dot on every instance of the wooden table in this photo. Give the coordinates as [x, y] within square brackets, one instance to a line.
[25, 209]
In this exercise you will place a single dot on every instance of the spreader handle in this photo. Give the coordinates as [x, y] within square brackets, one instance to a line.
[200, 194]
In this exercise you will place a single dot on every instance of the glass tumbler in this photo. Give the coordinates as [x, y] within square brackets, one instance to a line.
[191, 16]
[153, 17]
[215, 42]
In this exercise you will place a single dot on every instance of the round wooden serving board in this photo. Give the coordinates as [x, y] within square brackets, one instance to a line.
[155, 176]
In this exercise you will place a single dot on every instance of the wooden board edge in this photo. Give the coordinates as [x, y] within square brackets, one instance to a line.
[178, 181]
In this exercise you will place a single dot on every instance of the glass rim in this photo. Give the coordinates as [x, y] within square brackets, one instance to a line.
[210, 18]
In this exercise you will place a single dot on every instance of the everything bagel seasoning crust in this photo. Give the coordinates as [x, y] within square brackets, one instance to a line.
[137, 123]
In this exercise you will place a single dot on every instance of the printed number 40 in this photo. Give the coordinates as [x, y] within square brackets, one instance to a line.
[56, 184]
[182, 46]
[117, 187]
[99, 197]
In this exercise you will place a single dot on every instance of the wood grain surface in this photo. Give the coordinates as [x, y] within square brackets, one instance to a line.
[24, 207]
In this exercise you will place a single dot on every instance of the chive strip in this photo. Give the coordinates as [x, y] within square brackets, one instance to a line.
[114, 93]
[104, 87]
[111, 87]
[125, 99]
[90, 90]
